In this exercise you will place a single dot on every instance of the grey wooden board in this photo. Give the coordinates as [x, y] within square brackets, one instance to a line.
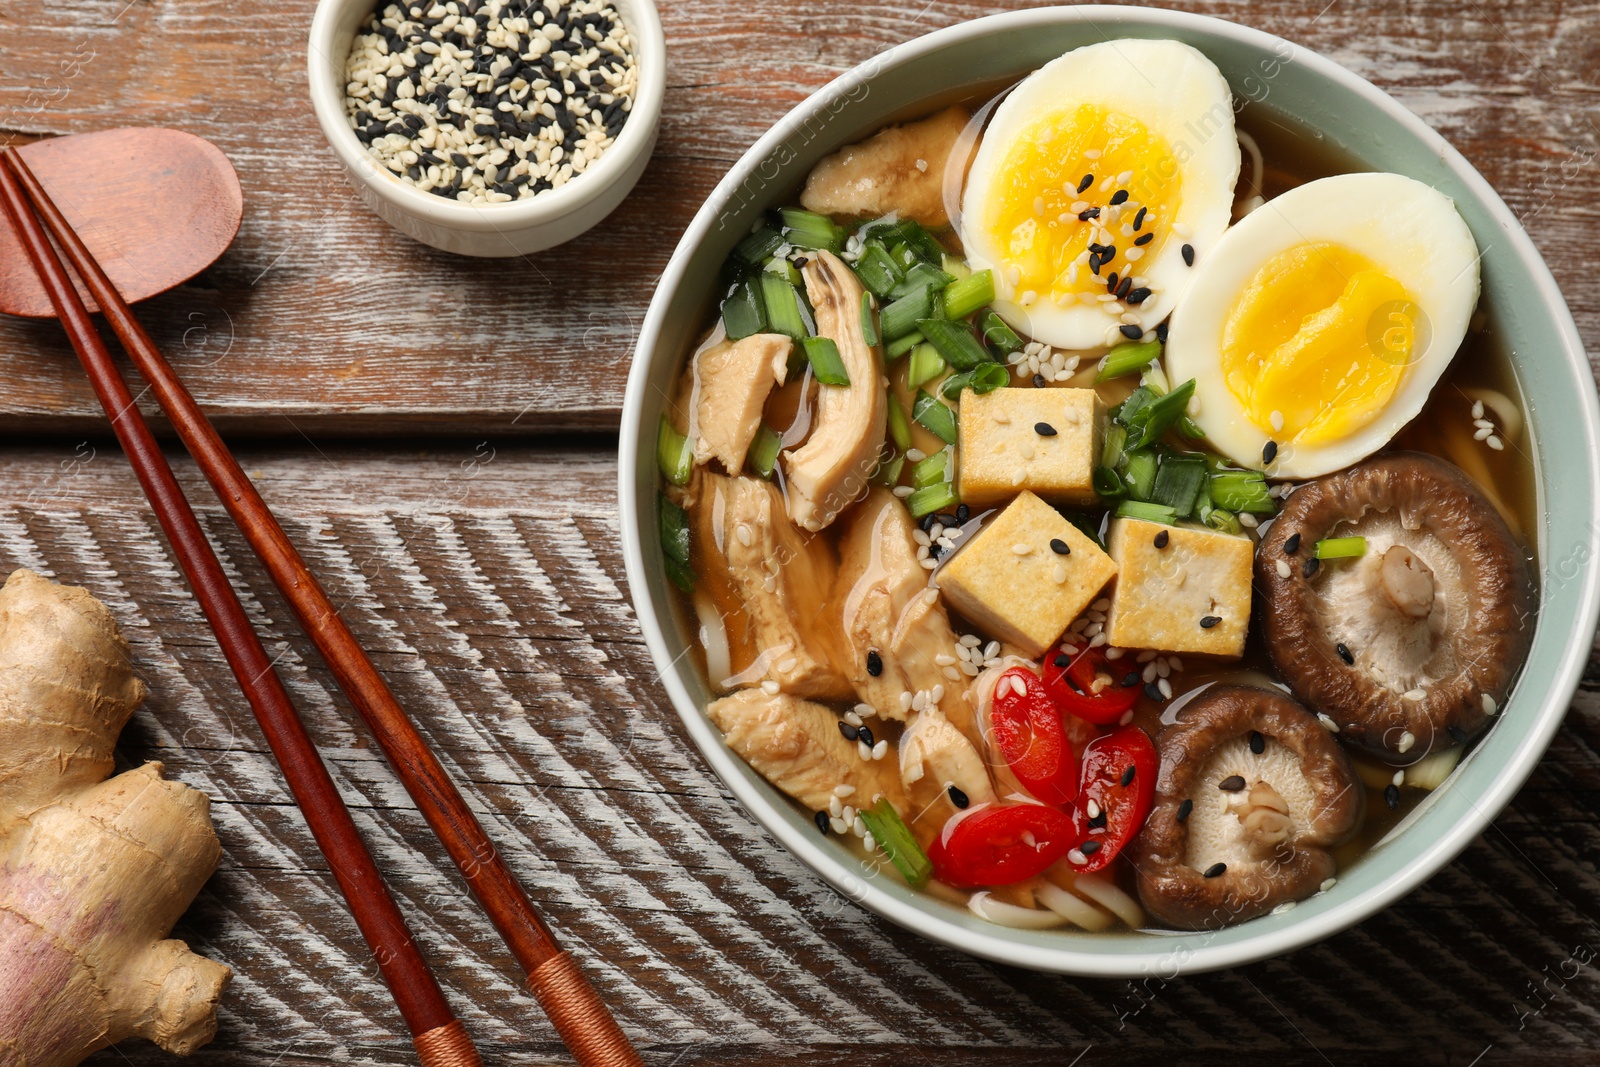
[487, 582]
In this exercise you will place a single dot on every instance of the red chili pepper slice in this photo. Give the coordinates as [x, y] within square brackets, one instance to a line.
[1028, 731]
[999, 844]
[1071, 680]
[1118, 787]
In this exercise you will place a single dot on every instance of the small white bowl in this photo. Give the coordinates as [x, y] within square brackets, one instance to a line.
[509, 229]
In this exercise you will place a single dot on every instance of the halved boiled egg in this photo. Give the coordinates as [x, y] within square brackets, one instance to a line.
[1323, 320]
[1101, 184]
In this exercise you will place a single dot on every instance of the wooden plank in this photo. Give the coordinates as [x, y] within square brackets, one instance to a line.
[322, 320]
[491, 593]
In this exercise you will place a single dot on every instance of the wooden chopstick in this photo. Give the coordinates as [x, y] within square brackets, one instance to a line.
[438, 1035]
[577, 1012]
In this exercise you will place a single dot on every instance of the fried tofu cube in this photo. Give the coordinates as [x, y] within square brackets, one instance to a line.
[1045, 441]
[1014, 583]
[1179, 588]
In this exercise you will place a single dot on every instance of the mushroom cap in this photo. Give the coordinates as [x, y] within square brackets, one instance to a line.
[1269, 817]
[1436, 616]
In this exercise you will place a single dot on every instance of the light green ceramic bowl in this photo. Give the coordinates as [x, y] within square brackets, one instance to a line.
[1524, 305]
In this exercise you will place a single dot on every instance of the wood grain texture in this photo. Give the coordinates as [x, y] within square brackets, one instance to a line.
[488, 584]
[323, 320]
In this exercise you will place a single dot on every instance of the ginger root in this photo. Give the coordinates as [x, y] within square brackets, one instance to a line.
[93, 872]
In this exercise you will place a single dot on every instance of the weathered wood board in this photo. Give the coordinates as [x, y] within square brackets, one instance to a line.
[322, 320]
[487, 581]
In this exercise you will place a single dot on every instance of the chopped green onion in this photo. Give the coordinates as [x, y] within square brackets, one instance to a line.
[784, 269]
[955, 343]
[997, 334]
[674, 454]
[1125, 359]
[1242, 491]
[869, 320]
[954, 266]
[759, 246]
[888, 472]
[921, 276]
[933, 469]
[904, 255]
[900, 345]
[675, 544]
[925, 365]
[877, 270]
[1130, 411]
[806, 229]
[936, 416]
[1189, 428]
[1155, 378]
[680, 574]
[1108, 483]
[1158, 416]
[899, 426]
[823, 355]
[894, 837]
[1116, 437]
[1139, 509]
[763, 454]
[901, 316]
[1178, 484]
[1341, 547]
[1139, 473]
[984, 378]
[916, 239]
[743, 312]
[966, 295]
[1226, 521]
[940, 496]
[783, 306]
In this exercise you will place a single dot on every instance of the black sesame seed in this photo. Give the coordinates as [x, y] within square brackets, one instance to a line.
[1162, 538]
[1089, 848]
[1099, 249]
[1311, 565]
[1094, 264]
[1123, 290]
[1344, 653]
[1091, 213]
[1044, 429]
[1391, 796]
[864, 735]
[1127, 776]
[1062, 660]
[1208, 621]
[1060, 547]
[1098, 822]
[1161, 332]
[1269, 452]
[963, 513]
[874, 663]
[1145, 238]
[1291, 544]
[958, 798]
[1138, 220]
[1039, 382]
[1231, 784]
[1258, 744]
[1215, 870]
[1119, 197]
[1131, 332]
[1110, 253]
[822, 821]
[1138, 296]
[1185, 808]
[1112, 279]
[1457, 734]
[1088, 180]
[1188, 255]
[850, 732]
[1131, 679]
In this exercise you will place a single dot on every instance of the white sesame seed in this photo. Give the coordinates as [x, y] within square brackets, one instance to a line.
[1477, 409]
[936, 694]
[1399, 778]
[770, 687]
[870, 843]
[1327, 884]
[1282, 568]
[838, 825]
[880, 749]
[787, 665]
[1332, 726]
[1060, 574]
[836, 807]
[1165, 687]
[844, 790]
[1496, 444]
[1489, 706]
[863, 750]
[1077, 857]
[1114, 653]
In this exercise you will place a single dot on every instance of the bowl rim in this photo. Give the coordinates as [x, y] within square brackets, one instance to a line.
[1002, 944]
[638, 133]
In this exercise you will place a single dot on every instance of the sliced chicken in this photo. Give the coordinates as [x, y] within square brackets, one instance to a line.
[731, 382]
[770, 580]
[934, 756]
[829, 471]
[890, 619]
[900, 169]
[796, 745]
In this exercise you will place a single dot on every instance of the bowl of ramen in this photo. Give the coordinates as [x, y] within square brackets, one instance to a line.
[1085, 484]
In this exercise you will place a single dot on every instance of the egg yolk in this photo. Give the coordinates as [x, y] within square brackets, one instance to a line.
[1317, 343]
[1074, 196]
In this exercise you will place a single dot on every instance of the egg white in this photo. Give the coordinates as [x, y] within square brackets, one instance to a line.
[1412, 231]
[1181, 97]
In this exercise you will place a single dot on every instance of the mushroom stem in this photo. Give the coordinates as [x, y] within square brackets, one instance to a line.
[1406, 582]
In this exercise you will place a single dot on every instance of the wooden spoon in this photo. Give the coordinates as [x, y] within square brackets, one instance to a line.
[156, 207]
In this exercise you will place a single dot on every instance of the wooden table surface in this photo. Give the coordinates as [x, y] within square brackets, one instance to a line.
[482, 568]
